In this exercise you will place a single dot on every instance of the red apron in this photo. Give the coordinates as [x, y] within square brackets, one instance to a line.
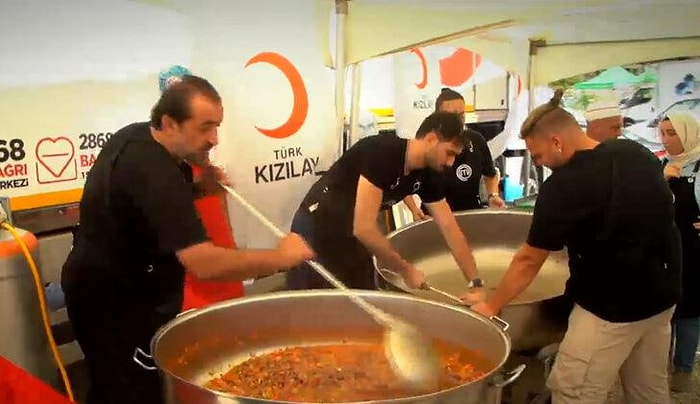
[200, 293]
[19, 387]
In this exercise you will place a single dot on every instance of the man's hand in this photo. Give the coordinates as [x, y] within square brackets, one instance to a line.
[484, 309]
[413, 278]
[419, 215]
[294, 250]
[496, 202]
[672, 171]
[473, 296]
[209, 179]
[697, 225]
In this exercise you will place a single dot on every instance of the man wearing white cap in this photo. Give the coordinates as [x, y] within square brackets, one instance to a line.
[604, 120]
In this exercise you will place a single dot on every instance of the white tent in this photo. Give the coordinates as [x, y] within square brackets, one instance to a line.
[543, 40]
[568, 37]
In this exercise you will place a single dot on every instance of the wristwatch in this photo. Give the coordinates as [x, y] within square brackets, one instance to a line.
[475, 283]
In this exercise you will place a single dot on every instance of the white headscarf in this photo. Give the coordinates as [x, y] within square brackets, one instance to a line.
[688, 130]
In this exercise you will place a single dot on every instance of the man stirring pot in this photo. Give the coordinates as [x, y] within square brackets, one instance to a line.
[139, 232]
[610, 206]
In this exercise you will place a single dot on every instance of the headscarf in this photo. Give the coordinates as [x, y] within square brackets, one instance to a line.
[688, 131]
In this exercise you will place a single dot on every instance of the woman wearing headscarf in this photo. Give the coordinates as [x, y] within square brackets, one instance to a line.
[680, 135]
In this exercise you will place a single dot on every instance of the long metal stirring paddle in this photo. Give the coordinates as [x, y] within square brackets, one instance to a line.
[411, 355]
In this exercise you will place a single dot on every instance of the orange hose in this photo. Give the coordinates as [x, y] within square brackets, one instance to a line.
[42, 303]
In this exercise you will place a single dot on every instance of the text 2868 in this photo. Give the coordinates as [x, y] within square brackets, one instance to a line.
[93, 140]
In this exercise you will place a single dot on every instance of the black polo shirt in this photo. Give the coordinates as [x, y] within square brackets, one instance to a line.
[463, 179]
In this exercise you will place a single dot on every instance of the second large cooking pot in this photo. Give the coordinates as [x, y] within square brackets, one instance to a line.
[200, 345]
[537, 318]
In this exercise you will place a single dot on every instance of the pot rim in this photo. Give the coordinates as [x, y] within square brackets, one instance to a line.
[475, 212]
[486, 211]
[183, 317]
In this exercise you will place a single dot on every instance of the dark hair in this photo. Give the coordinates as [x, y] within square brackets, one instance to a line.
[549, 115]
[447, 94]
[446, 125]
[175, 99]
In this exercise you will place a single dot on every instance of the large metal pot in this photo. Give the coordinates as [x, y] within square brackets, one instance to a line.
[537, 318]
[199, 345]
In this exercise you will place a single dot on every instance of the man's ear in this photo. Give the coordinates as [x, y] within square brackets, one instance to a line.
[167, 123]
[556, 141]
[431, 138]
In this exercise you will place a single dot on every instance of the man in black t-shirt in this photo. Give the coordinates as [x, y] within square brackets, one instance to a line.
[609, 205]
[338, 215]
[139, 232]
[463, 179]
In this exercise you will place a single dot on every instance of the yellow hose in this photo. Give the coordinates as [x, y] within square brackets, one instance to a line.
[42, 303]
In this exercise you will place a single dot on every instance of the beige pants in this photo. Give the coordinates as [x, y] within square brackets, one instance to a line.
[595, 351]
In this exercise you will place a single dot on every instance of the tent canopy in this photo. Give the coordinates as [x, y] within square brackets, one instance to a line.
[647, 77]
[577, 36]
[610, 78]
[574, 36]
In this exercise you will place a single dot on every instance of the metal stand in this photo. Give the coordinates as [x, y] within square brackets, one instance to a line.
[547, 356]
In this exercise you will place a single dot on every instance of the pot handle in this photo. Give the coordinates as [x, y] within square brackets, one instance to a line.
[500, 322]
[185, 312]
[506, 378]
[138, 354]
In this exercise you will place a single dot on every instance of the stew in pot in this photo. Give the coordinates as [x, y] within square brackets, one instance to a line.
[339, 373]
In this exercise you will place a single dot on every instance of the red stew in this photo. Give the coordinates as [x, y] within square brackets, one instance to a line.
[338, 373]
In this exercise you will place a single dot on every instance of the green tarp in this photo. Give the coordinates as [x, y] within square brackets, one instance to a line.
[608, 79]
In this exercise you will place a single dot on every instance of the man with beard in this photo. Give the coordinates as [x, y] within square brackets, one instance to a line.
[139, 232]
[610, 206]
[338, 215]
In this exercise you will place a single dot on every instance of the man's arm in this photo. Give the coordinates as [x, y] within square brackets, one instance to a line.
[453, 235]
[169, 212]
[494, 197]
[417, 213]
[367, 203]
[526, 264]
[207, 261]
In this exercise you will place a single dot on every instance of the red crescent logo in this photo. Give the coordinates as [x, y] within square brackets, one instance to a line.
[459, 67]
[301, 98]
[424, 66]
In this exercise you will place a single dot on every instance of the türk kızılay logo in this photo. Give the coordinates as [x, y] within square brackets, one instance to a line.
[290, 161]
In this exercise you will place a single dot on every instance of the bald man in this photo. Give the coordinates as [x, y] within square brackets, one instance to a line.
[604, 121]
[610, 206]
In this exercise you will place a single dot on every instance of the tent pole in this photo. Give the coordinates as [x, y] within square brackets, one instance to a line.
[531, 65]
[341, 12]
[356, 77]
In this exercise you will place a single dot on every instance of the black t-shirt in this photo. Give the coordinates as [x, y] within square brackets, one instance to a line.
[464, 177]
[381, 160]
[137, 210]
[613, 210]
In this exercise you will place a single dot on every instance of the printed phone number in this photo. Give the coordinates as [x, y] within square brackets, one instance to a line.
[93, 140]
[12, 150]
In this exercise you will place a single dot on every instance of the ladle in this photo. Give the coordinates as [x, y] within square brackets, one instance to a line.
[410, 354]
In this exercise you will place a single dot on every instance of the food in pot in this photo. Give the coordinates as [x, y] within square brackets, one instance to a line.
[339, 373]
[442, 273]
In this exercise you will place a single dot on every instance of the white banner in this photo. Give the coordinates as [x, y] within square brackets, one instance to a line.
[52, 134]
[421, 73]
[677, 81]
[70, 78]
[279, 118]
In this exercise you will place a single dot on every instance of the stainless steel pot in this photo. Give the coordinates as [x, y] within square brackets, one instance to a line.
[537, 318]
[199, 345]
